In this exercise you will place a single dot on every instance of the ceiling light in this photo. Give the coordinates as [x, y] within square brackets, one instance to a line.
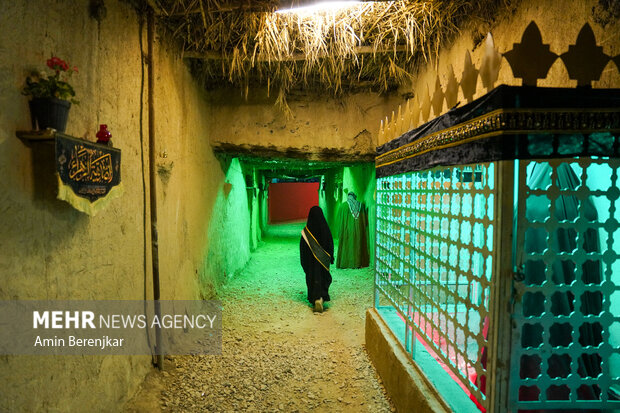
[321, 7]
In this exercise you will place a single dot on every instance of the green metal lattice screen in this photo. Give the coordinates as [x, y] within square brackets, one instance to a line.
[566, 336]
[435, 263]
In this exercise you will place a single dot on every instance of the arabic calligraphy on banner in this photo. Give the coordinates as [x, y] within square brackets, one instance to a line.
[90, 169]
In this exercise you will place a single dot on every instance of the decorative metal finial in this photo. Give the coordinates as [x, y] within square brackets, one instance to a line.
[414, 119]
[491, 62]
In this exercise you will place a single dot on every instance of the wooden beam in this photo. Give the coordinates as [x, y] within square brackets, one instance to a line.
[158, 11]
[348, 156]
[213, 55]
[228, 7]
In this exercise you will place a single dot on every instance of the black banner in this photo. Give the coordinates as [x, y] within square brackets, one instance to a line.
[510, 122]
[91, 170]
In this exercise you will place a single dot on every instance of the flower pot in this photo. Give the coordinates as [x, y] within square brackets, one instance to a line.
[49, 113]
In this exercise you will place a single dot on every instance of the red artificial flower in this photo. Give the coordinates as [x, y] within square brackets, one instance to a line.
[75, 69]
[57, 64]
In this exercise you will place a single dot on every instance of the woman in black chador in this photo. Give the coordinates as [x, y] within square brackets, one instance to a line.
[316, 250]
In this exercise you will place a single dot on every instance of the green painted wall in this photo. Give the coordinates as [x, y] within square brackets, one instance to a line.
[252, 189]
[329, 198]
[229, 228]
[263, 204]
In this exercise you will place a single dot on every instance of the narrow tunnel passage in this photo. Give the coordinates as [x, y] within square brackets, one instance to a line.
[277, 355]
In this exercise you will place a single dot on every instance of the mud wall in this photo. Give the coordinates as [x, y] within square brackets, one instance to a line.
[317, 126]
[48, 250]
[197, 194]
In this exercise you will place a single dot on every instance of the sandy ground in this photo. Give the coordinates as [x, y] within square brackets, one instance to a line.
[277, 355]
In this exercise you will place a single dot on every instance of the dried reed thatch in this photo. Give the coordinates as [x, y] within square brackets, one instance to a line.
[373, 45]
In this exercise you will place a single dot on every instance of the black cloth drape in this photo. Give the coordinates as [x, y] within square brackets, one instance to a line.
[318, 279]
[527, 138]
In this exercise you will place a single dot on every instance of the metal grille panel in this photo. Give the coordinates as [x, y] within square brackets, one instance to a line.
[566, 337]
[435, 261]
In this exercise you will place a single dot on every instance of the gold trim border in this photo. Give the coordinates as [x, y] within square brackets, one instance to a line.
[65, 193]
[508, 121]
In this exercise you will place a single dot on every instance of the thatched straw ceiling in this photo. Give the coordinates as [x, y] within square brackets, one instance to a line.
[373, 45]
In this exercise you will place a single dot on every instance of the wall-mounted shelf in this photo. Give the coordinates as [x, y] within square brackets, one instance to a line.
[28, 136]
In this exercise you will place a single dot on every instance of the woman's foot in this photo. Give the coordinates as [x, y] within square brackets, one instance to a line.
[318, 305]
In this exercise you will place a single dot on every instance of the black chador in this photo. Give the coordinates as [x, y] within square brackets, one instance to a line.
[316, 250]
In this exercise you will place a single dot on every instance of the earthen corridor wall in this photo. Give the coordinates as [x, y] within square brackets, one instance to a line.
[48, 250]
[316, 126]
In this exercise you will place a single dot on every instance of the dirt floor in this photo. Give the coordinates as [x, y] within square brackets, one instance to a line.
[277, 355]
